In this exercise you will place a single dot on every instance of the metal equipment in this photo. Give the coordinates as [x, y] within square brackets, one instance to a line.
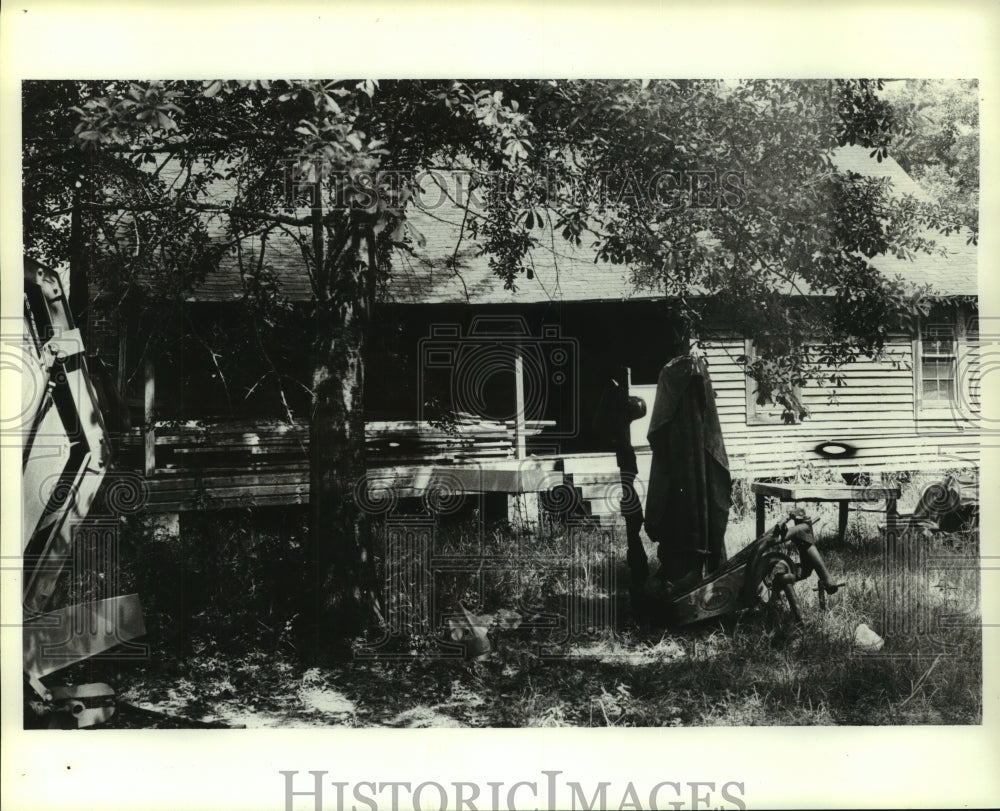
[756, 574]
[65, 457]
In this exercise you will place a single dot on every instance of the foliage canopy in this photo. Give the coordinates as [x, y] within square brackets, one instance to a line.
[711, 191]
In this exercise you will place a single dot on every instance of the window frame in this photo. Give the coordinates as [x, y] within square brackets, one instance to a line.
[924, 408]
[754, 416]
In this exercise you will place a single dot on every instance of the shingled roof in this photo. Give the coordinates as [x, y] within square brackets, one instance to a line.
[953, 273]
[450, 268]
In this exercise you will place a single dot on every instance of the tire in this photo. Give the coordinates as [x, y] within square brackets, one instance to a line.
[769, 566]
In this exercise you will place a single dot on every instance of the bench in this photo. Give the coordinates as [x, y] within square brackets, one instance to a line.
[842, 493]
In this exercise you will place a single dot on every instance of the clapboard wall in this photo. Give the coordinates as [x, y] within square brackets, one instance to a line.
[875, 412]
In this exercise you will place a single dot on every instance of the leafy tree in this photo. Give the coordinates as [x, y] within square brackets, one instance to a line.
[716, 192]
[939, 141]
[161, 161]
[725, 196]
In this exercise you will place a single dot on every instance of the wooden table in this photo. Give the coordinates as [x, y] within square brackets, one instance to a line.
[825, 492]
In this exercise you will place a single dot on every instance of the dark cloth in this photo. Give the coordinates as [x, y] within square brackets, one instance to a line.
[687, 505]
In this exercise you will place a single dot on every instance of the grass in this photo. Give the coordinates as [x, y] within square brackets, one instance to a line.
[567, 651]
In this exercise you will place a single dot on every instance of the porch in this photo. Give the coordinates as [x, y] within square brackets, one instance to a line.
[228, 464]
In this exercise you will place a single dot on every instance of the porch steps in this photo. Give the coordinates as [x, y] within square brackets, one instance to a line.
[596, 484]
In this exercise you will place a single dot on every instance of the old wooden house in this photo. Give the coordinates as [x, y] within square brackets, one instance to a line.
[473, 388]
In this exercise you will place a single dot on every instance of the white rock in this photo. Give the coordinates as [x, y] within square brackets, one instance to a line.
[867, 639]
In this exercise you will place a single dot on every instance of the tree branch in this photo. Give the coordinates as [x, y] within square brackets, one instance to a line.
[233, 211]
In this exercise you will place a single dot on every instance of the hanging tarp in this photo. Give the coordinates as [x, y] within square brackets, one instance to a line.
[687, 503]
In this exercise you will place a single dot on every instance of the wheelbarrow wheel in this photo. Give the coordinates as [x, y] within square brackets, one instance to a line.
[766, 573]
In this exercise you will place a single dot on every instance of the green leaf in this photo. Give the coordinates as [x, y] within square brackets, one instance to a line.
[417, 235]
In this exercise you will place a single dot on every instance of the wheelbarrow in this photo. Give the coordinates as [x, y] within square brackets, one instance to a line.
[755, 575]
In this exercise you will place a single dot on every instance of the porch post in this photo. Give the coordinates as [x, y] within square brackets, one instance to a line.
[149, 418]
[522, 508]
[520, 439]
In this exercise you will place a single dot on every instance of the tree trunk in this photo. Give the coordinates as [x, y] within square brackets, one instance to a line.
[340, 595]
[79, 270]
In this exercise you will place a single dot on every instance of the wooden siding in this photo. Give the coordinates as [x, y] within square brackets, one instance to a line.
[874, 412]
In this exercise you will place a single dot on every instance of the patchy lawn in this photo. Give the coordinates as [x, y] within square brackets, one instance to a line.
[750, 669]
[754, 668]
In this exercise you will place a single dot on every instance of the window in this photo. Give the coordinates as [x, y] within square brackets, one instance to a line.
[772, 413]
[946, 369]
[937, 365]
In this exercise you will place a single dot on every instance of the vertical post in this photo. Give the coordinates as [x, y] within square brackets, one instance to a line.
[520, 439]
[760, 514]
[149, 418]
[842, 522]
[120, 371]
[891, 515]
[628, 469]
[522, 507]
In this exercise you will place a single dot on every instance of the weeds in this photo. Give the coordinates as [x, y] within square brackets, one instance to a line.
[567, 650]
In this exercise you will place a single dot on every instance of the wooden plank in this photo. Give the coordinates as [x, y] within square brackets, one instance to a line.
[543, 463]
[823, 492]
[290, 436]
[888, 426]
[209, 447]
[252, 450]
[856, 411]
[851, 393]
[870, 466]
[240, 425]
[400, 427]
[173, 471]
[865, 454]
[861, 458]
[261, 499]
[848, 432]
[174, 502]
[214, 482]
[236, 441]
